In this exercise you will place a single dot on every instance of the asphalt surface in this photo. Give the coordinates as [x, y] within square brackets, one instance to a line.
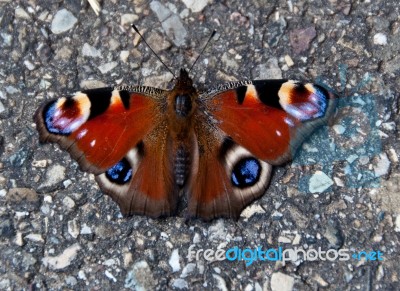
[58, 231]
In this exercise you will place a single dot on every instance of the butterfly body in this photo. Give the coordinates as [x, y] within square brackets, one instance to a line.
[148, 147]
[180, 119]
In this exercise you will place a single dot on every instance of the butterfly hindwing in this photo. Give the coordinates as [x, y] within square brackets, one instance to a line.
[143, 182]
[225, 178]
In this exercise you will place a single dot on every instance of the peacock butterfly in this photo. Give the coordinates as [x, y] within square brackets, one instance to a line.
[148, 146]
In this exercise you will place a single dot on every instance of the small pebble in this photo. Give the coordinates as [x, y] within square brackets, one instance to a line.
[128, 19]
[140, 277]
[21, 214]
[73, 228]
[18, 239]
[170, 22]
[220, 282]
[67, 183]
[339, 182]
[22, 194]
[397, 224]
[195, 5]
[217, 231]
[289, 61]
[82, 275]
[48, 199]
[90, 51]
[29, 65]
[160, 10]
[109, 262]
[284, 239]
[71, 280]
[300, 39]
[45, 209]
[276, 215]
[251, 210]
[3, 193]
[86, 229]
[2, 108]
[188, 269]
[319, 182]
[196, 238]
[64, 259]
[63, 21]
[320, 281]
[110, 276]
[180, 284]
[39, 164]
[35, 237]
[127, 259]
[281, 282]
[339, 129]
[68, 202]
[296, 239]
[21, 13]
[107, 67]
[124, 56]
[174, 261]
[380, 39]
[383, 165]
[54, 175]
[95, 6]
[380, 273]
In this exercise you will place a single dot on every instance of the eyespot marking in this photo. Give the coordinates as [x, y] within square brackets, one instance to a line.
[304, 102]
[120, 173]
[65, 115]
[246, 172]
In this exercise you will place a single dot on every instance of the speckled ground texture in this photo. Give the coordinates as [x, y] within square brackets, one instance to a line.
[58, 231]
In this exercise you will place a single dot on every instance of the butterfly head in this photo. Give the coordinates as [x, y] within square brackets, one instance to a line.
[183, 95]
[183, 80]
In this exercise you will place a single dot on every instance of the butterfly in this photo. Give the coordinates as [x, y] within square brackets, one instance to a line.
[149, 148]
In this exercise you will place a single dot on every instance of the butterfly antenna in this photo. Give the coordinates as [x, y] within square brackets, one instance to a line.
[205, 46]
[144, 40]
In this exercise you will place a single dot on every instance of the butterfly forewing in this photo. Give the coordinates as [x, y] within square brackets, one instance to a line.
[270, 118]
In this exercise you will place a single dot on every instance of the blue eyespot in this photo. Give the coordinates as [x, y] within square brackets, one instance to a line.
[246, 172]
[51, 125]
[120, 173]
[313, 106]
[321, 101]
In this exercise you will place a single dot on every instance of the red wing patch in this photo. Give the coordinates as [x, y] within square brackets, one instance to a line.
[97, 133]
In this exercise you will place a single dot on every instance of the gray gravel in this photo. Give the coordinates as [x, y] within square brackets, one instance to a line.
[58, 231]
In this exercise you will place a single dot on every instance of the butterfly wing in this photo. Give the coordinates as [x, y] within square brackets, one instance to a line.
[225, 178]
[120, 136]
[271, 118]
[256, 124]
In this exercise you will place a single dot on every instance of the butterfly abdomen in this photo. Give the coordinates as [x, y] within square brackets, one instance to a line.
[181, 166]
